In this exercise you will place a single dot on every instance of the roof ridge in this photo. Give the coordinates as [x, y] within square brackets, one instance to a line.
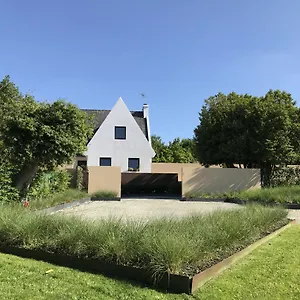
[95, 109]
[109, 110]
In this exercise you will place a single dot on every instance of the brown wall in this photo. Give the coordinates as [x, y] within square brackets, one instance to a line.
[213, 180]
[174, 168]
[104, 179]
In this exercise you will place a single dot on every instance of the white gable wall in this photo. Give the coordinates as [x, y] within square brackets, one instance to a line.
[103, 143]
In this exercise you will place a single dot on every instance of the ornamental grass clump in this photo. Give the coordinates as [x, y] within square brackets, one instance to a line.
[104, 194]
[280, 195]
[179, 246]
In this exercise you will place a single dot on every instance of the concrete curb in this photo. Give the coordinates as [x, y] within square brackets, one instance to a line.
[63, 206]
[59, 207]
[243, 202]
[214, 271]
[203, 199]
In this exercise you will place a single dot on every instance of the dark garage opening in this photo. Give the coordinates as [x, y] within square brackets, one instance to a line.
[150, 184]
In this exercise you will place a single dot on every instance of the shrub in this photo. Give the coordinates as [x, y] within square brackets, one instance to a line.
[285, 176]
[46, 184]
[79, 178]
[7, 191]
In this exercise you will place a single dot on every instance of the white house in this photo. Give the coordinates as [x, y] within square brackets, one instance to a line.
[122, 138]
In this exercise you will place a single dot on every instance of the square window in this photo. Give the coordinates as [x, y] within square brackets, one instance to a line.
[105, 161]
[82, 164]
[133, 164]
[120, 132]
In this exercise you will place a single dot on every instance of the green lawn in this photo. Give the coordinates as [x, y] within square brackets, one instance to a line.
[270, 272]
[27, 279]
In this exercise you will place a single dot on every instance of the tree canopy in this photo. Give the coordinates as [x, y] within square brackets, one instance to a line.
[176, 151]
[249, 130]
[37, 135]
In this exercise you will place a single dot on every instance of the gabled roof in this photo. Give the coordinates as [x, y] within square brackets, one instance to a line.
[99, 115]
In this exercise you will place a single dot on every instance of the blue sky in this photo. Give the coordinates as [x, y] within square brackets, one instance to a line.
[175, 52]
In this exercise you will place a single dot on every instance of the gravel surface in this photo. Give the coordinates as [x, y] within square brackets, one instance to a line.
[294, 214]
[145, 209]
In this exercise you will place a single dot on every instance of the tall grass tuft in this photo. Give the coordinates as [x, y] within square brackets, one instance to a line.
[179, 246]
[58, 198]
[284, 194]
[104, 194]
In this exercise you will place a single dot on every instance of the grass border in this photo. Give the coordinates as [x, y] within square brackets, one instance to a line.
[95, 198]
[203, 199]
[242, 202]
[62, 206]
[74, 203]
[170, 282]
[270, 204]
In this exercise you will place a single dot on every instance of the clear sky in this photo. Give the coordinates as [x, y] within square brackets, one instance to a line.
[175, 52]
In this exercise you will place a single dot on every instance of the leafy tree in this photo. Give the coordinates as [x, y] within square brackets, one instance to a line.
[177, 151]
[183, 151]
[7, 191]
[162, 151]
[38, 135]
[249, 130]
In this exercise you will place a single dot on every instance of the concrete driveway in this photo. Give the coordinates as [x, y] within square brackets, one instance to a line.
[145, 209]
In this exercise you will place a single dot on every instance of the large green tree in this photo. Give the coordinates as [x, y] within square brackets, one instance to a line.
[162, 151]
[253, 131]
[177, 151]
[38, 135]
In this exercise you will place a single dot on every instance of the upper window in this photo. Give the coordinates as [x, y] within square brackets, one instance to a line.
[105, 161]
[120, 133]
[133, 164]
[82, 163]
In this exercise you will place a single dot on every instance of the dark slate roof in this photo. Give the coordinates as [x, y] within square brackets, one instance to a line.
[99, 115]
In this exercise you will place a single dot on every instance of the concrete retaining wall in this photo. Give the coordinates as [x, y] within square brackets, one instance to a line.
[218, 180]
[104, 179]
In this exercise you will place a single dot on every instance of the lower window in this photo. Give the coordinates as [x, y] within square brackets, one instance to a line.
[105, 161]
[82, 163]
[133, 164]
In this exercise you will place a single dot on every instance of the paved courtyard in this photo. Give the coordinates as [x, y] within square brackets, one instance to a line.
[145, 209]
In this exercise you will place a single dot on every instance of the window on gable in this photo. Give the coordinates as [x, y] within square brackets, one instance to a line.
[133, 164]
[105, 161]
[120, 133]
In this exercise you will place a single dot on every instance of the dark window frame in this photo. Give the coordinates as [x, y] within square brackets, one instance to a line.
[82, 163]
[104, 158]
[119, 137]
[132, 168]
